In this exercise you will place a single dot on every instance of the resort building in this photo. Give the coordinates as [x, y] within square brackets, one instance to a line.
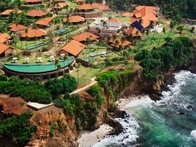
[73, 48]
[4, 38]
[39, 70]
[105, 28]
[5, 50]
[36, 13]
[101, 6]
[146, 15]
[8, 11]
[44, 22]
[17, 27]
[74, 19]
[86, 36]
[88, 11]
[33, 34]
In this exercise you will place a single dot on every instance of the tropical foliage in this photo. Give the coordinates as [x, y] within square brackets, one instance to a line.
[18, 128]
[177, 52]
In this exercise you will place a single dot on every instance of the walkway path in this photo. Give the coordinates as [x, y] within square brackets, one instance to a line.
[93, 82]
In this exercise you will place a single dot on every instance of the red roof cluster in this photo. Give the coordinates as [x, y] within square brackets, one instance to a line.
[101, 6]
[44, 22]
[8, 11]
[85, 7]
[74, 48]
[33, 33]
[36, 13]
[84, 36]
[74, 19]
[17, 27]
[146, 14]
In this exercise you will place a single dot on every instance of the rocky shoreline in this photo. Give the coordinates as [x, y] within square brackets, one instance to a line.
[155, 96]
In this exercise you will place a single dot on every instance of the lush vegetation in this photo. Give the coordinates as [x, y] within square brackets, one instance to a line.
[34, 90]
[18, 128]
[113, 81]
[84, 112]
[61, 86]
[30, 90]
[177, 52]
[97, 93]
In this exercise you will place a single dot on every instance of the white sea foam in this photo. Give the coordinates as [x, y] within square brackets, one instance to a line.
[138, 101]
[128, 136]
[169, 97]
[193, 134]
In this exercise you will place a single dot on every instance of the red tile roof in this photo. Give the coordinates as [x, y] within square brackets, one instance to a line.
[4, 37]
[8, 11]
[17, 27]
[74, 19]
[33, 33]
[146, 14]
[101, 6]
[33, 1]
[134, 32]
[85, 7]
[36, 13]
[84, 36]
[3, 48]
[74, 48]
[44, 22]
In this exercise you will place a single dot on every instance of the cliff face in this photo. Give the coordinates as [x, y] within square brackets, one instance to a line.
[54, 129]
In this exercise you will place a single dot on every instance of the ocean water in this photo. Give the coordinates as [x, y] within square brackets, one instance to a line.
[170, 122]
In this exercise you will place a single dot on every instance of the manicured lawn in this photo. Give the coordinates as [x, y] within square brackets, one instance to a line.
[85, 74]
[24, 44]
[154, 40]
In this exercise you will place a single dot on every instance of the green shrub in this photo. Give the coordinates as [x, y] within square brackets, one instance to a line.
[18, 127]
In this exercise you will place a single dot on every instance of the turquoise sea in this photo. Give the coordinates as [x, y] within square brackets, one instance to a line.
[170, 122]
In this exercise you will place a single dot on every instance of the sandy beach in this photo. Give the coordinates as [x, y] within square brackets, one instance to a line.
[88, 139]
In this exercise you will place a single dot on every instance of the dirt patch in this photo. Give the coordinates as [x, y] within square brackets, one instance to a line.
[13, 105]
